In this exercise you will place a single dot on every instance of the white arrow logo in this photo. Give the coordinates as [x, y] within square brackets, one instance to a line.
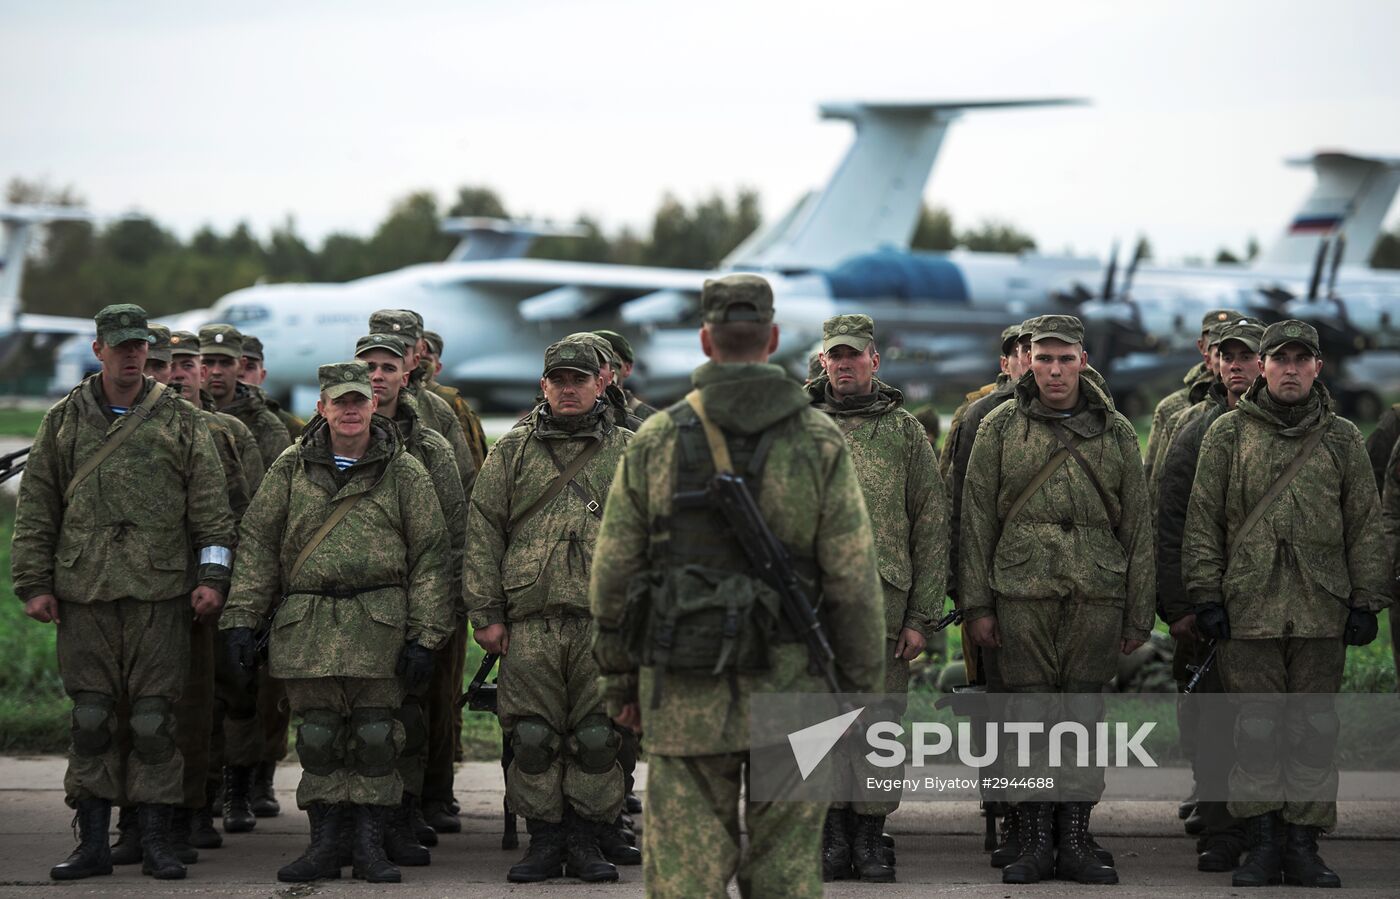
[812, 744]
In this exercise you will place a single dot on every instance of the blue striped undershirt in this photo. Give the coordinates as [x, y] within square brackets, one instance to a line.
[344, 462]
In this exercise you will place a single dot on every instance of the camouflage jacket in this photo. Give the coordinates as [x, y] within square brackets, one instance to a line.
[1382, 441]
[1196, 394]
[621, 415]
[466, 417]
[1317, 550]
[812, 501]
[1064, 544]
[1176, 472]
[1171, 404]
[638, 408]
[377, 579]
[957, 450]
[134, 525]
[250, 459]
[540, 569]
[945, 459]
[437, 415]
[1390, 512]
[235, 477]
[435, 453]
[905, 496]
[249, 407]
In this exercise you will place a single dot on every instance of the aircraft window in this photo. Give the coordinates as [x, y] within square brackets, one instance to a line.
[242, 315]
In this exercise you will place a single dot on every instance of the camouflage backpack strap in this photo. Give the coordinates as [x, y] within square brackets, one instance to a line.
[128, 426]
[1083, 463]
[342, 508]
[1280, 483]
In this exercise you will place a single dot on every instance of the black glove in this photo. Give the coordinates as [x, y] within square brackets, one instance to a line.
[415, 666]
[241, 654]
[1361, 628]
[1212, 620]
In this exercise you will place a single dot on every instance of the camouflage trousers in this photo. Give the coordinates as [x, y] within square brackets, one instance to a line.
[444, 718]
[896, 682]
[347, 779]
[691, 841]
[116, 653]
[1277, 750]
[548, 674]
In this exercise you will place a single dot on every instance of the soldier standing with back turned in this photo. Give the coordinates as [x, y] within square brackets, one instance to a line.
[1285, 565]
[796, 461]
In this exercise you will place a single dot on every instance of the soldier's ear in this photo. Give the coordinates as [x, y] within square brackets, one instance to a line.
[97, 349]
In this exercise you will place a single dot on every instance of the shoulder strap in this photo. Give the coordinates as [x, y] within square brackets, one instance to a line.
[342, 508]
[129, 424]
[1046, 470]
[569, 474]
[565, 478]
[1279, 485]
[719, 450]
[1059, 431]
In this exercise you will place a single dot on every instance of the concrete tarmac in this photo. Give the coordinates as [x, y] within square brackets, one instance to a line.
[939, 847]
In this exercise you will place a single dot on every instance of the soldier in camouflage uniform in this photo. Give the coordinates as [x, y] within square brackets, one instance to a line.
[1010, 363]
[1180, 399]
[344, 555]
[1285, 597]
[1060, 578]
[530, 543]
[1222, 836]
[254, 374]
[384, 355]
[696, 723]
[471, 423]
[116, 546]
[627, 360]
[908, 506]
[1379, 447]
[933, 425]
[1195, 396]
[252, 746]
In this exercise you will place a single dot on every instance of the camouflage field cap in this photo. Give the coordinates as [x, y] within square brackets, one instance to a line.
[160, 343]
[340, 378]
[1067, 328]
[1026, 328]
[390, 343]
[396, 321]
[621, 348]
[1218, 316]
[854, 330]
[1212, 334]
[419, 319]
[1246, 330]
[606, 356]
[736, 298]
[434, 342]
[252, 348]
[572, 354]
[220, 340]
[1009, 336]
[1289, 331]
[184, 343]
[121, 322]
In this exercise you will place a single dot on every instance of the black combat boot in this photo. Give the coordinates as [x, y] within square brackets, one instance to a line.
[836, 846]
[1009, 847]
[887, 843]
[345, 835]
[582, 857]
[1035, 822]
[613, 842]
[422, 830]
[631, 804]
[1219, 852]
[262, 798]
[92, 857]
[180, 835]
[127, 849]
[321, 860]
[867, 850]
[545, 857]
[1075, 859]
[441, 818]
[1195, 823]
[202, 832]
[400, 843]
[238, 811]
[1100, 853]
[1263, 865]
[370, 864]
[159, 859]
[1302, 866]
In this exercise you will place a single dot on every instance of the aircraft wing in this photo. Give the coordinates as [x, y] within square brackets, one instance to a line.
[544, 274]
[53, 324]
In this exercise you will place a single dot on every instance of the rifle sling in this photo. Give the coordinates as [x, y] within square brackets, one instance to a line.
[1059, 431]
[1046, 470]
[130, 422]
[719, 450]
[594, 507]
[342, 508]
[1279, 485]
[565, 478]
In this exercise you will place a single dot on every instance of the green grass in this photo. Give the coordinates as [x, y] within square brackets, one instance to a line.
[19, 422]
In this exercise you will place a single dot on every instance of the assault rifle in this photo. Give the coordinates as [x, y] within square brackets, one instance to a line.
[10, 464]
[481, 696]
[952, 618]
[1199, 671]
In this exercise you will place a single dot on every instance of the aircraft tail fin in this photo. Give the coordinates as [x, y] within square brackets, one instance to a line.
[493, 238]
[1352, 195]
[873, 199]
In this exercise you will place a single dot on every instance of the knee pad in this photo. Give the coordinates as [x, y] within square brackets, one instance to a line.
[1083, 702]
[153, 729]
[321, 741]
[594, 744]
[535, 745]
[1312, 736]
[92, 723]
[1256, 737]
[415, 726]
[372, 749]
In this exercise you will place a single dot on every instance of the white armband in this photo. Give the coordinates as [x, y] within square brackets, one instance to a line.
[216, 555]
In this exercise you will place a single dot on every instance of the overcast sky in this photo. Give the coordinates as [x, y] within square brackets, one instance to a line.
[220, 112]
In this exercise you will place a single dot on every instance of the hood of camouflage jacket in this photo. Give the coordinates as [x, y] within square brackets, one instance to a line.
[748, 397]
[594, 423]
[1087, 419]
[1290, 420]
[882, 399]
